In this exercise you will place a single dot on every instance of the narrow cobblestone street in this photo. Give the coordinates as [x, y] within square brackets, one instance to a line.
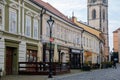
[101, 74]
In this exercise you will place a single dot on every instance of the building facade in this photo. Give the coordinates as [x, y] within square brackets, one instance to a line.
[24, 34]
[92, 42]
[116, 42]
[98, 19]
[19, 34]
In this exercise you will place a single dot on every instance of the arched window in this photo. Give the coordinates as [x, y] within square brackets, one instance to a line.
[103, 15]
[94, 14]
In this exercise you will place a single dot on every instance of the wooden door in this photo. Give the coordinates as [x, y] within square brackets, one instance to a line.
[9, 60]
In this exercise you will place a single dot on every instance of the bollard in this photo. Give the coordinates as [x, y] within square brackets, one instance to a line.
[0, 73]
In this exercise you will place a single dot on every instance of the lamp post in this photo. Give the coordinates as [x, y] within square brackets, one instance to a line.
[50, 23]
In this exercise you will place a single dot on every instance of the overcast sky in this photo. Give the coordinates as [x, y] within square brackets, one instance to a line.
[79, 7]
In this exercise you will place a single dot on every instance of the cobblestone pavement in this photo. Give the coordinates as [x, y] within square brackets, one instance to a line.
[101, 74]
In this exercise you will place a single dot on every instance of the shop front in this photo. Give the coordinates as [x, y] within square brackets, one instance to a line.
[88, 56]
[31, 56]
[62, 53]
[75, 58]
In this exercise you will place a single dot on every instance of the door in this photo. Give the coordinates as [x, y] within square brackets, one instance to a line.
[9, 60]
[75, 61]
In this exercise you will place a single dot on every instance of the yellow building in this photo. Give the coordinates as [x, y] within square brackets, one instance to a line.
[92, 42]
[97, 16]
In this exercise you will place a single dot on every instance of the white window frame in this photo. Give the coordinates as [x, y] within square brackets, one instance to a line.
[47, 29]
[35, 28]
[53, 30]
[12, 29]
[3, 17]
[28, 18]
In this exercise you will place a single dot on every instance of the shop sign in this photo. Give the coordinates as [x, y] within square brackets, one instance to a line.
[75, 51]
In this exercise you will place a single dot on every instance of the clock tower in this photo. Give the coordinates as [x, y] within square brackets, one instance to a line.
[98, 19]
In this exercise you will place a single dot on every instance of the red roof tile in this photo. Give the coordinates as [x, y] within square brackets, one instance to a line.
[53, 10]
[116, 30]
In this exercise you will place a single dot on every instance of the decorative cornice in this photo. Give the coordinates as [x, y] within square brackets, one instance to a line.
[13, 5]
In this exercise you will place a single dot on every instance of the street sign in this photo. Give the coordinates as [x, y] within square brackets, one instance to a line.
[51, 39]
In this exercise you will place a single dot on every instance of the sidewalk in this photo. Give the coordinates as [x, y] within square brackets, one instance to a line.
[36, 77]
[74, 72]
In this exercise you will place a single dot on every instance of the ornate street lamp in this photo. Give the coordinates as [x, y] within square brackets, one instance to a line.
[50, 23]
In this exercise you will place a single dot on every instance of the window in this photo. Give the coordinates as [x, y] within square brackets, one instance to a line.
[54, 30]
[28, 26]
[47, 29]
[94, 14]
[104, 1]
[31, 55]
[93, 1]
[84, 41]
[87, 42]
[2, 13]
[65, 35]
[103, 15]
[58, 31]
[35, 32]
[13, 21]
[0, 16]
[103, 29]
[78, 40]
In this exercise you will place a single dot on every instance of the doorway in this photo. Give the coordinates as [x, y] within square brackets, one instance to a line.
[11, 60]
[75, 61]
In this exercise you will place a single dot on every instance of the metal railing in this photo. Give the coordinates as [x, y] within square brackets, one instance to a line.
[42, 68]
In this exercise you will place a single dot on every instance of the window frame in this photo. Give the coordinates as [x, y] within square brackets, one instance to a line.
[93, 14]
[26, 25]
[104, 15]
[11, 28]
[93, 1]
[35, 27]
[2, 16]
[104, 1]
[47, 29]
[1, 20]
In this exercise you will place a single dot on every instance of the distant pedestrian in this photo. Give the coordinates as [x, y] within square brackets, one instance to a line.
[114, 64]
